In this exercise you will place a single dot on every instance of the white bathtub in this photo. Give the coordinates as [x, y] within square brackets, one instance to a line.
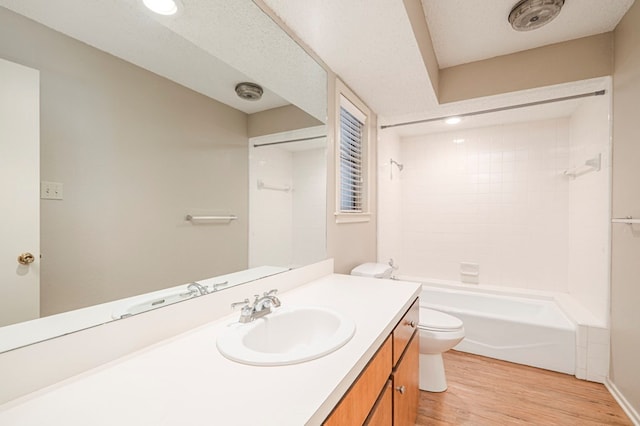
[530, 331]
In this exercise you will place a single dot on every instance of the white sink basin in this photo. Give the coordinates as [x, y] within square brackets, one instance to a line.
[288, 335]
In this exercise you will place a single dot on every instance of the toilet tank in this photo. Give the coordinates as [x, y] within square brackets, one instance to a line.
[373, 270]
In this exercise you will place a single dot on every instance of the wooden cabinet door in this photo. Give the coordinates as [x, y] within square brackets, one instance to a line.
[405, 386]
[354, 408]
[382, 413]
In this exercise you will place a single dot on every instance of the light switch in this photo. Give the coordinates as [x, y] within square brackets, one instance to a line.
[50, 190]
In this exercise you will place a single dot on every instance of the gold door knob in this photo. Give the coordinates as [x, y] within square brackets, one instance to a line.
[26, 258]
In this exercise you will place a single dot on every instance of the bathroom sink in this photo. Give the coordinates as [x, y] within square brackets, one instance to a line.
[288, 335]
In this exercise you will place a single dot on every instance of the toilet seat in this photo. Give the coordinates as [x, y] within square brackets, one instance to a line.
[433, 320]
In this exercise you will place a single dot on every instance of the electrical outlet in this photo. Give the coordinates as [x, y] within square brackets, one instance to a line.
[51, 190]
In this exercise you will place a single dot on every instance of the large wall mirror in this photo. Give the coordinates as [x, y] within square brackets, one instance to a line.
[150, 172]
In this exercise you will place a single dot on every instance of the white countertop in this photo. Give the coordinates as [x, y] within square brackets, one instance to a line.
[186, 381]
[27, 332]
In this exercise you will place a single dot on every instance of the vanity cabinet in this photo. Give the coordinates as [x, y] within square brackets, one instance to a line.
[386, 392]
[406, 352]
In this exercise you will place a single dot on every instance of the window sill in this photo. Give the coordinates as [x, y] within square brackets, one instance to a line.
[352, 217]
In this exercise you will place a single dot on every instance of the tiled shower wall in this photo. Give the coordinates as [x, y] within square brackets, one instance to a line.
[309, 206]
[590, 208]
[495, 196]
[498, 197]
[287, 228]
[270, 211]
[389, 200]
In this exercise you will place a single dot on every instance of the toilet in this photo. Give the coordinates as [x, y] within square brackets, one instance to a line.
[439, 332]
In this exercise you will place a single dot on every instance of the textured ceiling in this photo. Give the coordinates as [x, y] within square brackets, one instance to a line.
[209, 47]
[369, 45]
[466, 31]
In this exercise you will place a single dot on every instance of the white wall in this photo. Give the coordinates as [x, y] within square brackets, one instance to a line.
[589, 208]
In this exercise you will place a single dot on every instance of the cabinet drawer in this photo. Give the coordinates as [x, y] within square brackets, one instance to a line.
[356, 404]
[404, 330]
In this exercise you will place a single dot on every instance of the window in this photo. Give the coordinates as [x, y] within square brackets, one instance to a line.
[351, 130]
[352, 164]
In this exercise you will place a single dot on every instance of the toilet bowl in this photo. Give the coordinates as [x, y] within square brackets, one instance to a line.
[439, 332]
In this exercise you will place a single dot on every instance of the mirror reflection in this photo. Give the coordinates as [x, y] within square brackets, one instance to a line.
[140, 127]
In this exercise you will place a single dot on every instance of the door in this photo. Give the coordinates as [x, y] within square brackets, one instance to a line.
[19, 193]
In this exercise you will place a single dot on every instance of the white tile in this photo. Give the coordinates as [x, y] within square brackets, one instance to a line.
[599, 335]
[598, 366]
[509, 176]
[582, 336]
[581, 357]
[596, 350]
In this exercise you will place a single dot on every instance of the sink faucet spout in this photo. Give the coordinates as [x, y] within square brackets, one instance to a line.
[261, 306]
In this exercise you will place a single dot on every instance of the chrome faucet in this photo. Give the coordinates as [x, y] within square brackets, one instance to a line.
[261, 306]
[197, 289]
[216, 286]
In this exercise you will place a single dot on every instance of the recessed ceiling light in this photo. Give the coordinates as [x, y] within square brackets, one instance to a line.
[453, 120]
[162, 7]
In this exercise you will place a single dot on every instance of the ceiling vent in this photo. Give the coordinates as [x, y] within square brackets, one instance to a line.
[528, 15]
[249, 91]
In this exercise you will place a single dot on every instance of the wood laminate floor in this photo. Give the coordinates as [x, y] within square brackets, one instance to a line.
[488, 392]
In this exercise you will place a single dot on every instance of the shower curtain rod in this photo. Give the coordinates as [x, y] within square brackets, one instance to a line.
[258, 145]
[506, 108]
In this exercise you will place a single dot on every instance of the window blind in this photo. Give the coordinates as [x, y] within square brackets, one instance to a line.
[351, 160]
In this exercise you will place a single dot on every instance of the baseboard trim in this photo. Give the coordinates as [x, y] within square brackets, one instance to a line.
[620, 399]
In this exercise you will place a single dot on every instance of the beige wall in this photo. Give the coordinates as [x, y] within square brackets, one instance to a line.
[349, 244]
[135, 153]
[277, 120]
[574, 60]
[625, 265]
[425, 44]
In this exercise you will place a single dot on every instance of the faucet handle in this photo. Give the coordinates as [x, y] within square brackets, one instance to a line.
[271, 292]
[245, 302]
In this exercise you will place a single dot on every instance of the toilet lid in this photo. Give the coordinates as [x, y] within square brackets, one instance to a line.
[436, 320]
[374, 270]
